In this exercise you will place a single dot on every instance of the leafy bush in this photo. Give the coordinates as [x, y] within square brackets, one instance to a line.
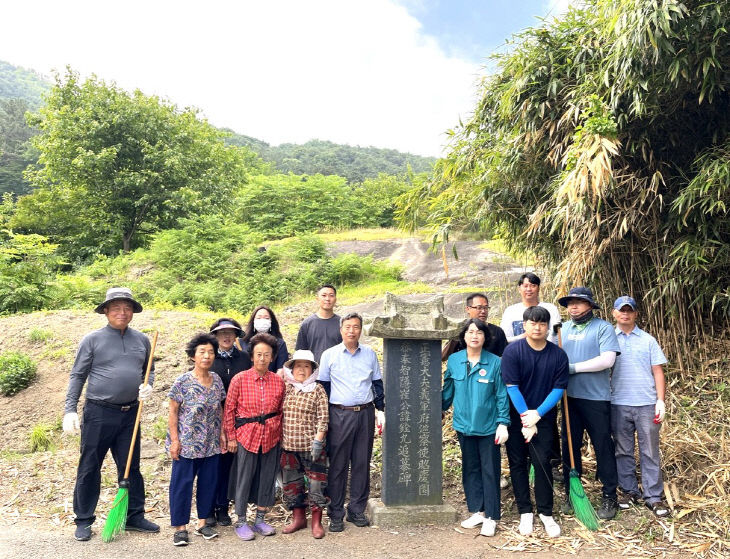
[211, 263]
[351, 268]
[26, 264]
[17, 371]
[39, 335]
[40, 437]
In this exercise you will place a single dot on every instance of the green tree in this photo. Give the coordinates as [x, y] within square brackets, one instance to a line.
[602, 144]
[121, 165]
[26, 268]
[16, 150]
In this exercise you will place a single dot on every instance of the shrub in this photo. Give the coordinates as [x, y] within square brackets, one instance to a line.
[17, 371]
[39, 335]
[40, 437]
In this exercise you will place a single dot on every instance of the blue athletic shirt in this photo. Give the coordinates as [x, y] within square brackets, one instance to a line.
[584, 344]
[536, 373]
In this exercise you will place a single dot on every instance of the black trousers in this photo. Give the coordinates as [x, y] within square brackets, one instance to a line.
[225, 464]
[480, 473]
[539, 451]
[105, 429]
[350, 439]
[593, 416]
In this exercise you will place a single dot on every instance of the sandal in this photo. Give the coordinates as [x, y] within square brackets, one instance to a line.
[658, 508]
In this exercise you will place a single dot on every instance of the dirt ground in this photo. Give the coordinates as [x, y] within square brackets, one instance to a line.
[36, 488]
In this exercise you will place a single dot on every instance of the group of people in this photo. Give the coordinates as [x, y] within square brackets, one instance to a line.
[242, 414]
[246, 412]
[505, 384]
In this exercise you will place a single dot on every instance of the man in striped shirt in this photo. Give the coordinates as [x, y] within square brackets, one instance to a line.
[637, 408]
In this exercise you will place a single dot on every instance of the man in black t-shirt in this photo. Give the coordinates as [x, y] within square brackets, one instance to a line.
[321, 330]
[536, 374]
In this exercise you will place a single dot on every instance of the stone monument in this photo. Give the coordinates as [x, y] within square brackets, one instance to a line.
[412, 466]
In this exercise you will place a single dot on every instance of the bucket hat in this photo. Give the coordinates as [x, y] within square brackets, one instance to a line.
[118, 294]
[302, 355]
[579, 293]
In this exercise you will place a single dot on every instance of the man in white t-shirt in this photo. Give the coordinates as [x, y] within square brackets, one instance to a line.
[529, 288]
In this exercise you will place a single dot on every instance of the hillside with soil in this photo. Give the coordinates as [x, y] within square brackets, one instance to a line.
[36, 488]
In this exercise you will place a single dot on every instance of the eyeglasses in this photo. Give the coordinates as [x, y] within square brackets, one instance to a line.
[480, 307]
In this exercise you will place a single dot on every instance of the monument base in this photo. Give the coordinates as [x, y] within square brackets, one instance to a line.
[409, 515]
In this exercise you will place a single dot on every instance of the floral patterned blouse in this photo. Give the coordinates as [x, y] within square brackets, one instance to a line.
[199, 415]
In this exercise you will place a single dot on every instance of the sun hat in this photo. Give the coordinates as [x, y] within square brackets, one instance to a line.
[118, 294]
[302, 355]
[226, 323]
[579, 293]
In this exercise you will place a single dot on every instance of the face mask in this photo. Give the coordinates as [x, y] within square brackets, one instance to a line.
[261, 324]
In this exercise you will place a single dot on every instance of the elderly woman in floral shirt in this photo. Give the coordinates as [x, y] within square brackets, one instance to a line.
[195, 438]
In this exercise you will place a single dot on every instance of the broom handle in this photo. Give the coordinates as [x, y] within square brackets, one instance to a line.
[139, 408]
[565, 410]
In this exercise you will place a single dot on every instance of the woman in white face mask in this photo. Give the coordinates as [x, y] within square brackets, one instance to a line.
[263, 320]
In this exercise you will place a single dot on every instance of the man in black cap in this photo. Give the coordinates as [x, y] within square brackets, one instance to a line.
[592, 347]
[113, 359]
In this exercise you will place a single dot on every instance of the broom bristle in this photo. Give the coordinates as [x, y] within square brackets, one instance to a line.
[582, 507]
[117, 519]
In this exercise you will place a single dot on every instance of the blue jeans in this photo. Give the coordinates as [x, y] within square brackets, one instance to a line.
[626, 422]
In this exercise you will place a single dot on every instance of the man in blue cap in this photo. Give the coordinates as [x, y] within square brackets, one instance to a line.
[637, 408]
[591, 345]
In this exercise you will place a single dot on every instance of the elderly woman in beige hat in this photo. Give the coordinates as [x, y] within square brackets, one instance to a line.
[306, 415]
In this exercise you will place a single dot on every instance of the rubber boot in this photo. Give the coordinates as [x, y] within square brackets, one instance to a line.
[317, 530]
[298, 521]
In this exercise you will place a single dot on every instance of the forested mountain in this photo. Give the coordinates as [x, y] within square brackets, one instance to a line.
[20, 83]
[327, 158]
[21, 90]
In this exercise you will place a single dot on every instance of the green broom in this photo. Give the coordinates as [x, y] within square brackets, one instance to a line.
[116, 520]
[582, 507]
[531, 475]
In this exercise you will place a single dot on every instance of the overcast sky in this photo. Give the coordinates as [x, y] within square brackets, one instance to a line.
[387, 73]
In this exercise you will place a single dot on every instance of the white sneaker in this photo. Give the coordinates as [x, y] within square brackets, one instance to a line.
[473, 521]
[526, 523]
[489, 526]
[503, 482]
[551, 527]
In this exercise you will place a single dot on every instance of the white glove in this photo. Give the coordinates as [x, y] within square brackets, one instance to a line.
[144, 392]
[530, 418]
[501, 435]
[659, 410]
[71, 422]
[379, 421]
[529, 432]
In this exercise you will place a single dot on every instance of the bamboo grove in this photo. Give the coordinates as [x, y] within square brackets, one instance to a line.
[601, 144]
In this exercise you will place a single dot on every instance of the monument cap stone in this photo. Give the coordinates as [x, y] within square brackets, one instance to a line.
[419, 320]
